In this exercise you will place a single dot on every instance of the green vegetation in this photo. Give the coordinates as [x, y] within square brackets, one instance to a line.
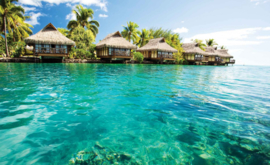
[222, 47]
[19, 50]
[82, 16]
[211, 42]
[83, 38]
[144, 37]
[83, 32]
[64, 31]
[200, 43]
[12, 21]
[138, 57]
[131, 32]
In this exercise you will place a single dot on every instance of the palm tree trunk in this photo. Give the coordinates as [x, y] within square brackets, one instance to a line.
[5, 28]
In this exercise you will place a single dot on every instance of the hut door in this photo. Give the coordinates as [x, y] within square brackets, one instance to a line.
[149, 54]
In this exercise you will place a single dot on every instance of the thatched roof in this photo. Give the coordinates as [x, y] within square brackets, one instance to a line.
[211, 51]
[192, 48]
[49, 35]
[157, 44]
[115, 40]
[224, 53]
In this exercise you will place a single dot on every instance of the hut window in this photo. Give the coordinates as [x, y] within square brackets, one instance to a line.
[38, 48]
[159, 53]
[57, 48]
[64, 47]
[47, 47]
[110, 51]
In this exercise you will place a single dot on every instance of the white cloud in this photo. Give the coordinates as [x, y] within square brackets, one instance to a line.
[258, 2]
[182, 21]
[34, 18]
[100, 3]
[27, 9]
[69, 5]
[263, 37]
[267, 28]
[103, 15]
[231, 37]
[180, 30]
[71, 16]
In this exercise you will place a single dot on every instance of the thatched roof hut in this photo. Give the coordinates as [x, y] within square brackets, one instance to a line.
[49, 35]
[115, 40]
[157, 44]
[192, 48]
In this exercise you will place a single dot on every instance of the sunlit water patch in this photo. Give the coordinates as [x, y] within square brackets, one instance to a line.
[155, 114]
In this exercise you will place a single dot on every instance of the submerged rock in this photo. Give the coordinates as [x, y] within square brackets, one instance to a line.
[102, 155]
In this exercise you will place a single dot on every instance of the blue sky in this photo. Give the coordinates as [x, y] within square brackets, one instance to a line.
[243, 26]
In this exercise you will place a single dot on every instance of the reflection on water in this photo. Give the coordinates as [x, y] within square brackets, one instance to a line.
[158, 114]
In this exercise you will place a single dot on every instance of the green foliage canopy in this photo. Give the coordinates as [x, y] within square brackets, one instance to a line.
[82, 19]
[138, 57]
[131, 32]
[83, 38]
[211, 42]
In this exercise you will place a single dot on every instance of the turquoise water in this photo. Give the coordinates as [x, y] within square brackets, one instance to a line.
[158, 114]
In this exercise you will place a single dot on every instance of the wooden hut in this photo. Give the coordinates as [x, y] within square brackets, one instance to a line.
[194, 55]
[49, 42]
[158, 50]
[212, 56]
[226, 58]
[114, 47]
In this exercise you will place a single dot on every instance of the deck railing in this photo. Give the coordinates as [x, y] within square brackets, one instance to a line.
[51, 50]
[205, 59]
[198, 58]
[166, 56]
[120, 53]
[232, 61]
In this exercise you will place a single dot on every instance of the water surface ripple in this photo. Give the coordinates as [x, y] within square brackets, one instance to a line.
[159, 114]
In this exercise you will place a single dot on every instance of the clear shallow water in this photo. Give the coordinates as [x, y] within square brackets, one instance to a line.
[159, 114]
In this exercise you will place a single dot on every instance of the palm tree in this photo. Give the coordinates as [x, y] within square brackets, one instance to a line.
[21, 29]
[82, 18]
[131, 32]
[211, 42]
[200, 43]
[144, 37]
[9, 12]
[63, 31]
[222, 47]
[159, 32]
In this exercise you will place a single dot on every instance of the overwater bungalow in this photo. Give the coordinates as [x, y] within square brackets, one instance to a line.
[157, 50]
[49, 43]
[211, 56]
[114, 47]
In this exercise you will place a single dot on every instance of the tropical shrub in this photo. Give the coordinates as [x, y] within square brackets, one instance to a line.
[19, 50]
[138, 57]
[92, 49]
[88, 54]
[80, 53]
[83, 38]
[72, 52]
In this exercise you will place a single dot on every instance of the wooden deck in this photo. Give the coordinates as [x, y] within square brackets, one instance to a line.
[115, 56]
[52, 55]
